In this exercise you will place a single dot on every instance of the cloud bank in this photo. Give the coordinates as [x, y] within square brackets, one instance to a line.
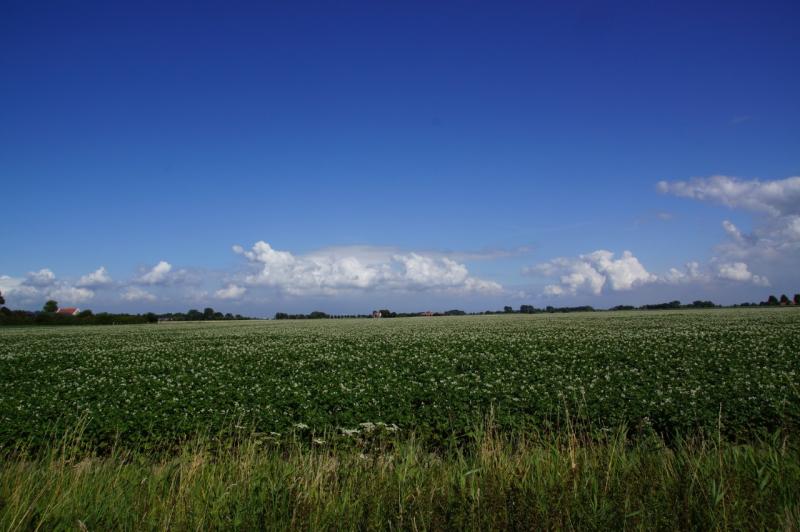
[773, 243]
[330, 272]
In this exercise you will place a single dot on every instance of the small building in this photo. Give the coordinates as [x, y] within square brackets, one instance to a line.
[376, 314]
[68, 311]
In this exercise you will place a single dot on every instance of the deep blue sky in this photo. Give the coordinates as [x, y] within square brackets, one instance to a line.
[136, 133]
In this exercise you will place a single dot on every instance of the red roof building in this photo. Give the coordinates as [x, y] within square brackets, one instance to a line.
[68, 311]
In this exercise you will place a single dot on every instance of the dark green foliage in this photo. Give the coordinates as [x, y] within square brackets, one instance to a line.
[50, 306]
[678, 372]
[85, 317]
[662, 306]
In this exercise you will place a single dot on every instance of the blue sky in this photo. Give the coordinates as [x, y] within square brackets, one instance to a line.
[469, 154]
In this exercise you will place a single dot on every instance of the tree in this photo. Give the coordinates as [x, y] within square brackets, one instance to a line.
[208, 313]
[194, 315]
[796, 299]
[526, 309]
[85, 313]
[50, 306]
[785, 300]
[508, 309]
[2, 299]
[772, 300]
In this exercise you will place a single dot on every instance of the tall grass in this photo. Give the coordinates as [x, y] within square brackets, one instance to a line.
[494, 481]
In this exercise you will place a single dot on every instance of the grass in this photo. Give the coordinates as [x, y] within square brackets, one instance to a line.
[495, 481]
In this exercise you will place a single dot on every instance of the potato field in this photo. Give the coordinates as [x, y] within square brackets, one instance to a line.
[737, 371]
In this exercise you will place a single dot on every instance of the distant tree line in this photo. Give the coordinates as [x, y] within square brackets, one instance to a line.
[49, 316]
[670, 305]
[773, 301]
[316, 315]
[85, 317]
[208, 314]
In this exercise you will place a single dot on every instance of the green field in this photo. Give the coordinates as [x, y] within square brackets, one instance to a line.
[675, 372]
[644, 420]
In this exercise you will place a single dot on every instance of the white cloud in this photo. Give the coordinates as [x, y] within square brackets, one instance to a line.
[97, 278]
[592, 272]
[595, 271]
[68, 295]
[159, 274]
[330, 271]
[13, 287]
[773, 245]
[777, 198]
[778, 202]
[231, 291]
[42, 285]
[739, 271]
[43, 277]
[692, 273]
[137, 294]
[732, 231]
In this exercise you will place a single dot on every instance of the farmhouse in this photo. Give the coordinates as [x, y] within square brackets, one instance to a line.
[68, 311]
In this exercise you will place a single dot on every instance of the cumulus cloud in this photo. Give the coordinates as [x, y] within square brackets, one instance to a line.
[232, 291]
[328, 272]
[592, 272]
[595, 271]
[137, 294]
[41, 285]
[97, 278]
[16, 287]
[158, 274]
[43, 277]
[67, 295]
[739, 271]
[692, 273]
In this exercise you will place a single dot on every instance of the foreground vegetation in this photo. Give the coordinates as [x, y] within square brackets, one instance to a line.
[496, 481]
[656, 420]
